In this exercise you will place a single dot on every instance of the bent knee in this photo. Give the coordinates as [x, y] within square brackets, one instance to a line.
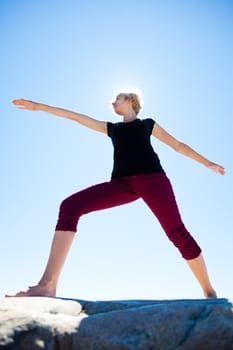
[69, 214]
[70, 207]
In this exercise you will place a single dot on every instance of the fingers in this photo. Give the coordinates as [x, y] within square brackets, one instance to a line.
[220, 169]
[20, 103]
[25, 104]
[217, 168]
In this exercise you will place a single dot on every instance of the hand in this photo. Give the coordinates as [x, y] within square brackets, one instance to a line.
[217, 168]
[26, 104]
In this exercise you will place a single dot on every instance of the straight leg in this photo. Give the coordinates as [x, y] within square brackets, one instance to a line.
[157, 193]
[199, 270]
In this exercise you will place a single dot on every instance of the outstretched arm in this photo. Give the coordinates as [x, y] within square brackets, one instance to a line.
[83, 119]
[184, 149]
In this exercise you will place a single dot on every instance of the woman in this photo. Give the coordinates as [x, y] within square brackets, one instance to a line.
[137, 173]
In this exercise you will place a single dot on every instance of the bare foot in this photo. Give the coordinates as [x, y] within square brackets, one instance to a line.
[35, 291]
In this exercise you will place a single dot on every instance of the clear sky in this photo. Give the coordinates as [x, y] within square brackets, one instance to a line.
[78, 55]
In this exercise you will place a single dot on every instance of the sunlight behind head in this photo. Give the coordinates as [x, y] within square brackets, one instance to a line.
[127, 91]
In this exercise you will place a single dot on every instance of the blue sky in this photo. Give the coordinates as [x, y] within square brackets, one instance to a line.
[78, 55]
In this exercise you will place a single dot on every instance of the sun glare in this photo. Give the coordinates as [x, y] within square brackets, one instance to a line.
[127, 90]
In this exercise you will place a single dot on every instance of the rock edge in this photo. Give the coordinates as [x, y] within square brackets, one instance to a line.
[63, 324]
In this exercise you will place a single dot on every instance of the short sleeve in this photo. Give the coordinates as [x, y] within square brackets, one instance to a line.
[109, 128]
[149, 124]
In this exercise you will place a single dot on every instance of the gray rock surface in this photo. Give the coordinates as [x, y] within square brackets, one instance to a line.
[64, 324]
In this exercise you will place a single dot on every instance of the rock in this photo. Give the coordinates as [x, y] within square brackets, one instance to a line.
[38, 323]
[64, 324]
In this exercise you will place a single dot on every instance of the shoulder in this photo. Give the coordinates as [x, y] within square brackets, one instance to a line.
[149, 123]
[110, 128]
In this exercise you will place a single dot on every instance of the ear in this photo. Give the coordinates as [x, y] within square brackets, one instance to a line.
[130, 101]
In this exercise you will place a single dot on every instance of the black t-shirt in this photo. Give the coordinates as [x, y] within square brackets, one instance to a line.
[133, 152]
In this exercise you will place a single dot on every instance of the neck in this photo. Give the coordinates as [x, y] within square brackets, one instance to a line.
[129, 116]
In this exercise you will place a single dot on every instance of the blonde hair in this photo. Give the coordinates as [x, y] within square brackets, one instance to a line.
[134, 98]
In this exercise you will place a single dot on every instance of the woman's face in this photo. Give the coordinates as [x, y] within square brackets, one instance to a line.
[120, 104]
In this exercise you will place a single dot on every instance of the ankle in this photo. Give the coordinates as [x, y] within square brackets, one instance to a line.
[210, 294]
[48, 284]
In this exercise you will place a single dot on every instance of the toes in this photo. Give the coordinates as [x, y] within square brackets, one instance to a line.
[19, 294]
[34, 291]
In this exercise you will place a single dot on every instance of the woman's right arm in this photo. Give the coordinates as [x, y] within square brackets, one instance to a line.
[83, 119]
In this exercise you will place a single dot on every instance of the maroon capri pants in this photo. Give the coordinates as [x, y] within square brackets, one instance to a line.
[155, 190]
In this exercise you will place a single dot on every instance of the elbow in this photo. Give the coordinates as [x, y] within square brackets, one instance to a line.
[179, 147]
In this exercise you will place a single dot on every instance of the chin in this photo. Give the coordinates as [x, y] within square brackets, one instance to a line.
[119, 113]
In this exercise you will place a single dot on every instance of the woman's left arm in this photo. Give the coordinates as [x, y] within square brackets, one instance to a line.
[184, 149]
